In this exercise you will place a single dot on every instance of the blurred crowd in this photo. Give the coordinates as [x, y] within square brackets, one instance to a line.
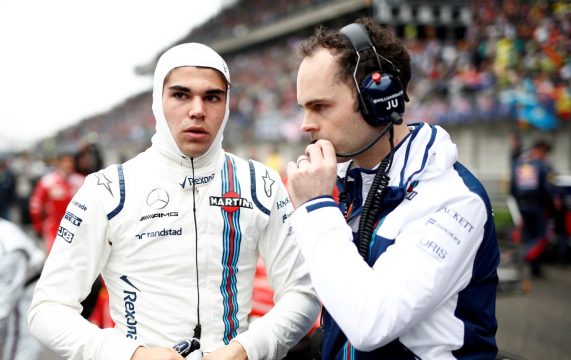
[239, 19]
[511, 64]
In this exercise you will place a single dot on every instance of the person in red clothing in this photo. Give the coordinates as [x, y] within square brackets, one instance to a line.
[48, 205]
[51, 195]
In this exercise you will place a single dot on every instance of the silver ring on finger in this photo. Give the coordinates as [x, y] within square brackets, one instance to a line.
[300, 159]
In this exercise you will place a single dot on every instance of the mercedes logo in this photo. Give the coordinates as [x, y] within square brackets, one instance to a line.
[158, 198]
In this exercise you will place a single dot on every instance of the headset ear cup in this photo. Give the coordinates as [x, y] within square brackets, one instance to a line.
[382, 98]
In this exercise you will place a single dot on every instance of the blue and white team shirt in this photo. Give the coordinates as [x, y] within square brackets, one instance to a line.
[428, 289]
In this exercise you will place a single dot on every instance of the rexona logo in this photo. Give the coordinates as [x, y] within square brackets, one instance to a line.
[130, 300]
[230, 202]
[160, 233]
[159, 215]
[188, 181]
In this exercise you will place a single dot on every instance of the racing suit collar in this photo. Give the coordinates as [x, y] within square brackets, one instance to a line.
[189, 54]
[425, 153]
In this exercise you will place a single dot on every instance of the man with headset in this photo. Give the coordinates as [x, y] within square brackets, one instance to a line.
[176, 233]
[405, 263]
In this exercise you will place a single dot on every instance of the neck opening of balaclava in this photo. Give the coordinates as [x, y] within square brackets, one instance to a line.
[189, 54]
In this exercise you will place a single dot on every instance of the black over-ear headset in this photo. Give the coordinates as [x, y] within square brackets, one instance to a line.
[381, 95]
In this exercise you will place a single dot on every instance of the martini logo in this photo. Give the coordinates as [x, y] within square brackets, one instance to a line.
[230, 202]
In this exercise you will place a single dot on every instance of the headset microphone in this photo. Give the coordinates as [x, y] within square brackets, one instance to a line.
[396, 120]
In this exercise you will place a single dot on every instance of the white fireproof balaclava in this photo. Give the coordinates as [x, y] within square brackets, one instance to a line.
[189, 54]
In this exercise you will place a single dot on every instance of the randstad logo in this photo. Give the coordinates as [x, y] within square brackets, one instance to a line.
[160, 233]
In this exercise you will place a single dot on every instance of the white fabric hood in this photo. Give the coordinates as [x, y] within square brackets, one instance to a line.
[189, 54]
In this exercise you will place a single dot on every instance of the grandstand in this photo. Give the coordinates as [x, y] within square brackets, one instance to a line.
[482, 69]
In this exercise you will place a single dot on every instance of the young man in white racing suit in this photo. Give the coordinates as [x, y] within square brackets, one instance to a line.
[176, 233]
[406, 263]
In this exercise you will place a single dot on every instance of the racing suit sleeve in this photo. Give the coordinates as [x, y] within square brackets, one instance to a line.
[418, 273]
[79, 254]
[296, 306]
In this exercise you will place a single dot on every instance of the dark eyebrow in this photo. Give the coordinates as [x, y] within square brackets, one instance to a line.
[187, 90]
[179, 88]
[215, 92]
[312, 102]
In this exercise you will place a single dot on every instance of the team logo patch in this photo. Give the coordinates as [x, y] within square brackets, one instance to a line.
[410, 192]
[158, 198]
[65, 234]
[268, 183]
[230, 202]
[103, 181]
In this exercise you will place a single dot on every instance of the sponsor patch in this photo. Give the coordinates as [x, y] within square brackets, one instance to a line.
[286, 216]
[281, 203]
[189, 181]
[72, 218]
[159, 215]
[158, 198]
[432, 221]
[456, 216]
[160, 233]
[230, 202]
[79, 205]
[433, 248]
[130, 302]
[65, 234]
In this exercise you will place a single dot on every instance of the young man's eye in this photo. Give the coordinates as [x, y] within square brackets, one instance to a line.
[212, 98]
[180, 95]
[318, 107]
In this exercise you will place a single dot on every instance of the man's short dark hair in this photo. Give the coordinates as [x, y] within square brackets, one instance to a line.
[386, 43]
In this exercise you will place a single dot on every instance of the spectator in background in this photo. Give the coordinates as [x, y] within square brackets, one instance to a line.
[176, 233]
[89, 158]
[406, 262]
[7, 189]
[531, 186]
[560, 226]
[48, 204]
[515, 146]
[52, 194]
[28, 171]
[21, 261]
